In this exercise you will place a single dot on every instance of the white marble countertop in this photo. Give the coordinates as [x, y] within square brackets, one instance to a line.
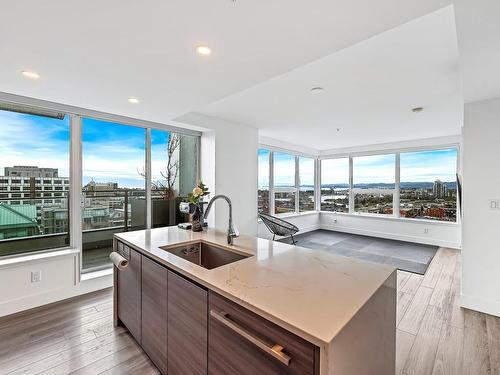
[311, 293]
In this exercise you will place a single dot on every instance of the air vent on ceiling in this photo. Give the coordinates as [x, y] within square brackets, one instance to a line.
[32, 111]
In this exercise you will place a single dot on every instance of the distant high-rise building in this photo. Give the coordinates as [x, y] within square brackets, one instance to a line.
[30, 171]
[439, 189]
[34, 186]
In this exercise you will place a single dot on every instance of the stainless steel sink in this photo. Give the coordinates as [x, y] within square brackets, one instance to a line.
[205, 255]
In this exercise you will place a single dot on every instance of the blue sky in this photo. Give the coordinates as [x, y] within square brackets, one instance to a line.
[429, 165]
[422, 166]
[34, 140]
[111, 152]
[284, 169]
[115, 153]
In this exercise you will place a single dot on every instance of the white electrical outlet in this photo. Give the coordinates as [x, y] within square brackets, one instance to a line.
[36, 276]
[494, 204]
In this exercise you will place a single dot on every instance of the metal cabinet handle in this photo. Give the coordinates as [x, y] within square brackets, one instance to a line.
[276, 350]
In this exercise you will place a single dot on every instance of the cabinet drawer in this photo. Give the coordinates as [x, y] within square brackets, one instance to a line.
[242, 342]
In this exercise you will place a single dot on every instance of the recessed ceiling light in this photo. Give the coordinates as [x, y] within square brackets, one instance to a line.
[31, 75]
[133, 100]
[317, 89]
[417, 109]
[203, 50]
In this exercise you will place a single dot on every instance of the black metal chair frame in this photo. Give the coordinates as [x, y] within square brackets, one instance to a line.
[279, 227]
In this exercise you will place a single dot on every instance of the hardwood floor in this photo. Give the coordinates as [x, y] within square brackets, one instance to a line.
[434, 335]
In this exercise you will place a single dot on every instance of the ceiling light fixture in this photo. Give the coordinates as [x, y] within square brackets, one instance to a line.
[317, 89]
[203, 50]
[417, 109]
[31, 75]
[133, 100]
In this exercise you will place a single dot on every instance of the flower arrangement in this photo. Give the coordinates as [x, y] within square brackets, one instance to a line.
[194, 199]
[198, 192]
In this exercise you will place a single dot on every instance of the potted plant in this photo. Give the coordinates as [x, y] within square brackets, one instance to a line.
[196, 199]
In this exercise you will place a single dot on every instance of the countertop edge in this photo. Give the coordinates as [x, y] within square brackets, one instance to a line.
[318, 341]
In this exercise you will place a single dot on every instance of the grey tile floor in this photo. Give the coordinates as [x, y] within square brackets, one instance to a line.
[405, 256]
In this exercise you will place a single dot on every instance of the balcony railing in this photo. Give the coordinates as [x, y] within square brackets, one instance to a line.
[41, 223]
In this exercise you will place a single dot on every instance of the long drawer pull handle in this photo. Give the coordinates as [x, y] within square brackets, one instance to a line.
[276, 351]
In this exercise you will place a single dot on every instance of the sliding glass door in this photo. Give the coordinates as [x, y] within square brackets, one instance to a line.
[113, 191]
[174, 173]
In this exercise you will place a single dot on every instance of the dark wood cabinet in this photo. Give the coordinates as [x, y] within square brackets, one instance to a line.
[187, 327]
[129, 293]
[154, 312]
[241, 342]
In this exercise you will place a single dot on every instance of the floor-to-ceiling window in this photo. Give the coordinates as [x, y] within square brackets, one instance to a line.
[34, 180]
[174, 173]
[113, 191]
[42, 147]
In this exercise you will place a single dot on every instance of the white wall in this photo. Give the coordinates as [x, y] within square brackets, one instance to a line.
[60, 280]
[481, 224]
[430, 233]
[419, 231]
[229, 166]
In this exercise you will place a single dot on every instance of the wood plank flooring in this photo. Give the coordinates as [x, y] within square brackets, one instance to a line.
[434, 335]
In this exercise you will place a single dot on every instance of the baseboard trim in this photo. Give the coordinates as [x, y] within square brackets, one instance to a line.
[480, 305]
[391, 236]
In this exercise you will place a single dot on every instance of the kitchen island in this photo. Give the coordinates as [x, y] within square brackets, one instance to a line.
[198, 305]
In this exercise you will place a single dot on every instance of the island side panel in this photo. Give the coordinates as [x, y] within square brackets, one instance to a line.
[367, 344]
[115, 284]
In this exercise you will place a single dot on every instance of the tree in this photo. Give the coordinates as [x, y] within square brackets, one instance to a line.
[166, 186]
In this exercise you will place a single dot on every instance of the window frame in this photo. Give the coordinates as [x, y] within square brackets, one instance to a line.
[294, 189]
[396, 194]
[76, 114]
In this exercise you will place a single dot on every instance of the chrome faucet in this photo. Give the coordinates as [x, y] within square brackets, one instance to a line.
[231, 231]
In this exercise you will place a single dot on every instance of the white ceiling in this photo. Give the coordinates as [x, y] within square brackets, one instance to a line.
[95, 54]
[369, 90]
